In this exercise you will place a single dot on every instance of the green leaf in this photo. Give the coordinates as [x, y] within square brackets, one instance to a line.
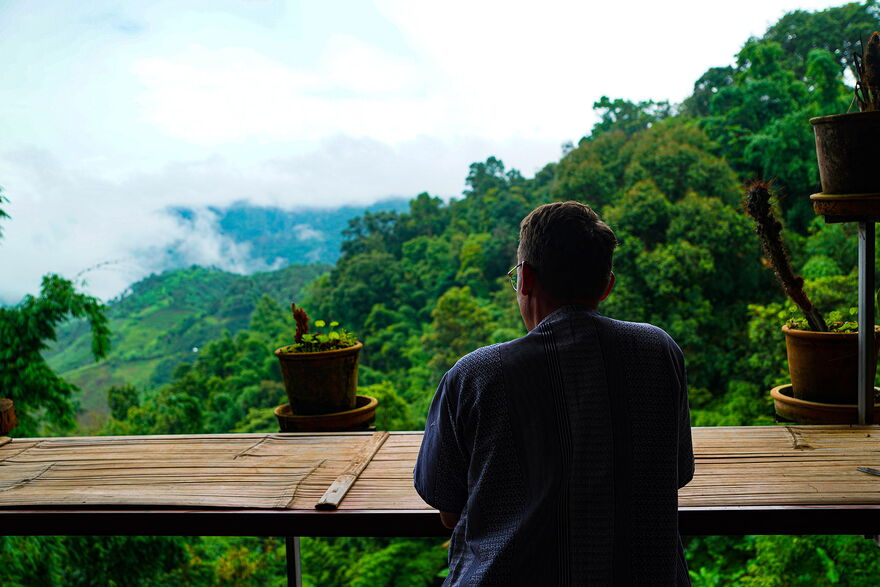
[323, 338]
[320, 323]
[334, 335]
[334, 324]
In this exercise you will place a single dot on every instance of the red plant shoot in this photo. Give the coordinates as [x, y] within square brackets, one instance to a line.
[302, 321]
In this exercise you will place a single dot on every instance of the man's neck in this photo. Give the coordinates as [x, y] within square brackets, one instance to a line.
[543, 307]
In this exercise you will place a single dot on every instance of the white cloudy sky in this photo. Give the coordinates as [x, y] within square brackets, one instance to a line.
[112, 111]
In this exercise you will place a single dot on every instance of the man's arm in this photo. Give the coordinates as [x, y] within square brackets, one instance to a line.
[685, 443]
[440, 475]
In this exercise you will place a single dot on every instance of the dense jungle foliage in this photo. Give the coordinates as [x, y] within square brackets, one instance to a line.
[423, 287]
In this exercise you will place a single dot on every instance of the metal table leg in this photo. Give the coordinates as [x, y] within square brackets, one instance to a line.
[866, 322]
[294, 564]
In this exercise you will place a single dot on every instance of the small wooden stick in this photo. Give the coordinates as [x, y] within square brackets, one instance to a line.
[337, 490]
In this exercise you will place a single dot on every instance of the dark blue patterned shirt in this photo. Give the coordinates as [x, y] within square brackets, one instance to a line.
[563, 452]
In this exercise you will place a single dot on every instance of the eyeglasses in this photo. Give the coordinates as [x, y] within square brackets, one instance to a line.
[513, 274]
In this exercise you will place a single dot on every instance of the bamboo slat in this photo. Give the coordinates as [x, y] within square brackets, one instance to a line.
[735, 467]
[255, 471]
[337, 490]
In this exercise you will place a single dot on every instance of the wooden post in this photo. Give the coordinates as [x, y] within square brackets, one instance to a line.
[8, 421]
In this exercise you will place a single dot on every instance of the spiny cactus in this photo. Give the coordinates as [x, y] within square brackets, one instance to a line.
[769, 230]
[867, 71]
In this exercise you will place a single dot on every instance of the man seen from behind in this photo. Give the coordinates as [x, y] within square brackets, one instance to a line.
[557, 457]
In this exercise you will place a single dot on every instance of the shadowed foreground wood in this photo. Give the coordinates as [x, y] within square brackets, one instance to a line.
[775, 479]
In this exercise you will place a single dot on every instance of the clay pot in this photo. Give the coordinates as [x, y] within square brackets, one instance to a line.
[824, 366]
[807, 412]
[848, 150]
[320, 383]
[359, 418]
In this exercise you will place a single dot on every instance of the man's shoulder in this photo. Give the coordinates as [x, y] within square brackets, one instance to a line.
[493, 355]
[637, 332]
[477, 361]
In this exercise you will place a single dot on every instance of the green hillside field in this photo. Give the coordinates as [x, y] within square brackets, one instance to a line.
[162, 322]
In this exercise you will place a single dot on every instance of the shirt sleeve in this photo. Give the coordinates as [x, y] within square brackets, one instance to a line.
[685, 443]
[440, 474]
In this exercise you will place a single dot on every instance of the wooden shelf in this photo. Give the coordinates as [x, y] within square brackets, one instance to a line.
[847, 207]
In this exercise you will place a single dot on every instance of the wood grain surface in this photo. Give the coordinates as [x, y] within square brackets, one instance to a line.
[773, 466]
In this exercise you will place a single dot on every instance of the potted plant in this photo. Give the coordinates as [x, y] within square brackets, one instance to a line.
[320, 368]
[822, 356]
[846, 144]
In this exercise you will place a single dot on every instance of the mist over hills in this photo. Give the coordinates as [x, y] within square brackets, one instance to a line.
[276, 237]
[241, 238]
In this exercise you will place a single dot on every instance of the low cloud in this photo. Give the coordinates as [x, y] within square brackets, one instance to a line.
[111, 231]
[304, 232]
[198, 241]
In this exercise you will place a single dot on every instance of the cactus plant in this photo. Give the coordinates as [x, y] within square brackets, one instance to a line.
[769, 230]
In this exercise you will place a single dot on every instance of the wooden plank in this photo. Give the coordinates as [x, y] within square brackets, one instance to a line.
[737, 467]
[339, 488]
[5, 440]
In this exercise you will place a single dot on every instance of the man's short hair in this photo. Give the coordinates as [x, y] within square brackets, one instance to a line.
[570, 249]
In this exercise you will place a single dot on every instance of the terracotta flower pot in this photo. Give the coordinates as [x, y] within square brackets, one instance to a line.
[848, 150]
[824, 366]
[359, 418]
[806, 412]
[320, 383]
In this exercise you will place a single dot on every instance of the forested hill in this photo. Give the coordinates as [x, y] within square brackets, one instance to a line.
[161, 322]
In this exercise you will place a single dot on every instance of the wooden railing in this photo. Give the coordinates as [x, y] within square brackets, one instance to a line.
[749, 480]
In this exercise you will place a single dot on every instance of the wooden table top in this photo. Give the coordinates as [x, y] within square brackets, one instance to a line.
[767, 479]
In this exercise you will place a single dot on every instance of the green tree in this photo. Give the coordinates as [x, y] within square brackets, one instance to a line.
[705, 88]
[629, 117]
[460, 325]
[122, 398]
[25, 377]
[25, 329]
[836, 30]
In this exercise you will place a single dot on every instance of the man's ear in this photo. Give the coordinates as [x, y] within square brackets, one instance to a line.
[608, 288]
[526, 279]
